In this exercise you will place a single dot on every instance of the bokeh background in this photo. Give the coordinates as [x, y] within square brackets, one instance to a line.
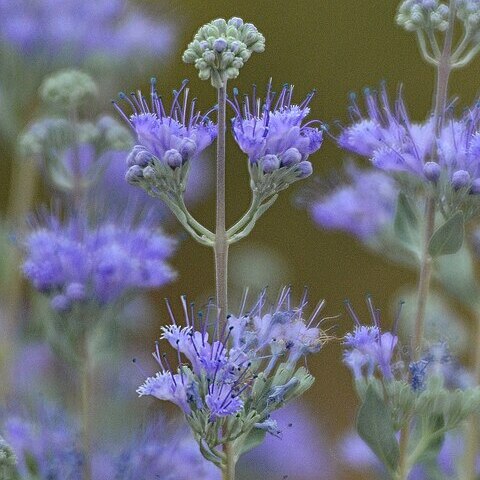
[337, 47]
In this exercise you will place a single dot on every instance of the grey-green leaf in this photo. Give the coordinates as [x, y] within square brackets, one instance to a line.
[406, 221]
[375, 427]
[448, 238]
[254, 438]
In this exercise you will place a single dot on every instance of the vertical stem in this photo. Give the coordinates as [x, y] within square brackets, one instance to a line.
[441, 95]
[221, 249]
[86, 413]
[22, 192]
[221, 244]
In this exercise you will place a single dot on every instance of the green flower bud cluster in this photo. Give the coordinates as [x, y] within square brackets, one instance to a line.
[221, 48]
[416, 15]
[8, 462]
[68, 90]
[53, 140]
[468, 11]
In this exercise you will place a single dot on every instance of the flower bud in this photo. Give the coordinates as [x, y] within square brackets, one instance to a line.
[75, 291]
[460, 179]
[68, 89]
[305, 169]
[270, 163]
[475, 190]
[173, 158]
[220, 44]
[134, 174]
[432, 171]
[60, 303]
[149, 173]
[188, 148]
[291, 157]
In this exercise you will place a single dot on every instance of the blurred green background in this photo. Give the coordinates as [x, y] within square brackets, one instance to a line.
[337, 47]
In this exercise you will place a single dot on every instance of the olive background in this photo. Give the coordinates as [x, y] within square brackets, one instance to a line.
[336, 47]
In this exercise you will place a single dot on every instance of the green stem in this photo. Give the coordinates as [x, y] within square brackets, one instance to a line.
[86, 413]
[441, 94]
[472, 432]
[221, 250]
[247, 217]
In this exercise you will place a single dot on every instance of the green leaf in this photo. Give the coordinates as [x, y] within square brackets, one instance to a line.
[375, 427]
[448, 238]
[406, 221]
[253, 439]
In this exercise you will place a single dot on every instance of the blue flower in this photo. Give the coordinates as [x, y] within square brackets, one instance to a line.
[174, 137]
[273, 132]
[80, 261]
[109, 28]
[364, 206]
[394, 144]
[368, 348]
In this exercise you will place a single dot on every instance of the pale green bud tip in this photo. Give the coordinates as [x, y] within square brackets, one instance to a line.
[416, 15]
[68, 89]
[220, 49]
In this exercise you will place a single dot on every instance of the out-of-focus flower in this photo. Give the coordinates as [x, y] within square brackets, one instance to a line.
[394, 144]
[363, 207]
[45, 442]
[299, 450]
[76, 261]
[66, 28]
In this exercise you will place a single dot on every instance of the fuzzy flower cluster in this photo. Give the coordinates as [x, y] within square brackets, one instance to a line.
[170, 457]
[80, 30]
[169, 138]
[273, 133]
[75, 262]
[220, 49]
[423, 14]
[363, 207]
[369, 349]
[46, 444]
[245, 369]
[73, 154]
[393, 143]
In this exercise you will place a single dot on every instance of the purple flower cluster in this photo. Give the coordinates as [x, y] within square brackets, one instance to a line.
[172, 456]
[393, 143]
[362, 207]
[221, 369]
[273, 132]
[79, 30]
[76, 262]
[368, 348]
[45, 443]
[173, 137]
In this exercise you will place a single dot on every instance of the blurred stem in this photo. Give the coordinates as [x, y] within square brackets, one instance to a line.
[86, 370]
[78, 190]
[221, 250]
[441, 95]
[472, 427]
[22, 192]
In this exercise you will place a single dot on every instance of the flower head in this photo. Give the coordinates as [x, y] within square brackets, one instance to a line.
[109, 28]
[220, 49]
[368, 348]
[273, 133]
[448, 160]
[363, 207]
[166, 140]
[76, 261]
[244, 368]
